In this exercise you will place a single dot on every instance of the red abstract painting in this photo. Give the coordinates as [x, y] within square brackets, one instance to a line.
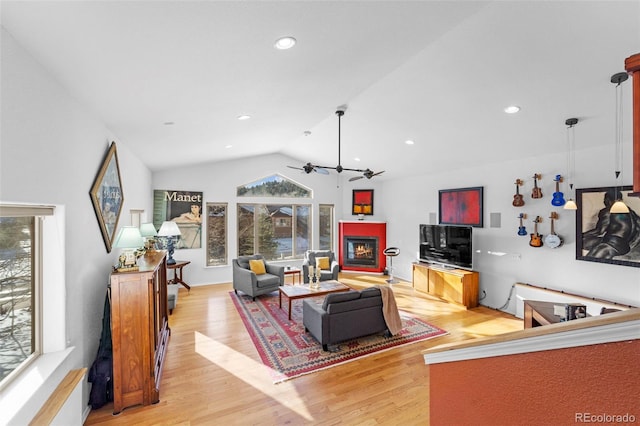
[461, 206]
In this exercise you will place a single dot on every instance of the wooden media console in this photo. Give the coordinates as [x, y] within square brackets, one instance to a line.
[453, 285]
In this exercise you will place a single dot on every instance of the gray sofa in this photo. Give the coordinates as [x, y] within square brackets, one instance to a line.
[254, 285]
[344, 316]
[325, 274]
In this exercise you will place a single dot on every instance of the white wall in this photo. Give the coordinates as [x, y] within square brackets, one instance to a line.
[51, 148]
[553, 268]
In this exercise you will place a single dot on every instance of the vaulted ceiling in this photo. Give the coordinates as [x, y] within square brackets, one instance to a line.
[170, 78]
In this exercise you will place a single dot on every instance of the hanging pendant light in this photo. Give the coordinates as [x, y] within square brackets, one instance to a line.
[619, 206]
[571, 163]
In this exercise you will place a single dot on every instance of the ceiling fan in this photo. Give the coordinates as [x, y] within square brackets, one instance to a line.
[366, 174]
[309, 167]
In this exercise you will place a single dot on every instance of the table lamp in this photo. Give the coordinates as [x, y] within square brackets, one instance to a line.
[169, 230]
[129, 239]
[148, 231]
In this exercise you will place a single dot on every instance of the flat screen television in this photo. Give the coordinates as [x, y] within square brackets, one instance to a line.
[447, 245]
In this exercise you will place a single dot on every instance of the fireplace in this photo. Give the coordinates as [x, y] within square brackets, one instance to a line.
[361, 251]
[361, 246]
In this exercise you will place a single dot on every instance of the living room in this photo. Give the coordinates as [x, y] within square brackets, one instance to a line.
[53, 144]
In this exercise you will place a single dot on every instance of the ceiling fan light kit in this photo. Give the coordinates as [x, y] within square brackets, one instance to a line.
[309, 167]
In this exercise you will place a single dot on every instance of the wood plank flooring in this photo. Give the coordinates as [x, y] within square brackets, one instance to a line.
[213, 373]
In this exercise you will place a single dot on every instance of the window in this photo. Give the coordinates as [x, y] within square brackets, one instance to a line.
[216, 234]
[326, 227]
[273, 186]
[20, 287]
[274, 230]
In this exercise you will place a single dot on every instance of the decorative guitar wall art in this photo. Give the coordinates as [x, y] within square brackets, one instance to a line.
[536, 239]
[521, 229]
[558, 197]
[518, 201]
[536, 192]
[553, 240]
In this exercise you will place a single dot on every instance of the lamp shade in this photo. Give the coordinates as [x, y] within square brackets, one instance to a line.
[169, 229]
[619, 207]
[570, 205]
[128, 237]
[148, 230]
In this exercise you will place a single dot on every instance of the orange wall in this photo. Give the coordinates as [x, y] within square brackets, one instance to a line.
[538, 388]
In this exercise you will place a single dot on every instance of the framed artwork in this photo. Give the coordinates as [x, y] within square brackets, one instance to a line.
[461, 206]
[362, 202]
[602, 236]
[107, 197]
[184, 208]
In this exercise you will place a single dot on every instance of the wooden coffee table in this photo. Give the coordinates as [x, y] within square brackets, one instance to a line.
[293, 292]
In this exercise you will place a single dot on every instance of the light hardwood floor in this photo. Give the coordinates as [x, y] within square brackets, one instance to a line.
[213, 373]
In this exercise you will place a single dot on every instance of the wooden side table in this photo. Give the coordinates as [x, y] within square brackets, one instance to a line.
[537, 313]
[294, 272]
[177, 273]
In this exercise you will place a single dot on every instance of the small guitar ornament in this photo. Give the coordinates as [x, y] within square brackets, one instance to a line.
[521, 229]
[536, 192]
[536, 239]
[553, 240]
[558, 197]
[518, 201]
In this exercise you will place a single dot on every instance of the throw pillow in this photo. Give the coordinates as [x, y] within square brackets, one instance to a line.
[323, 262]
[257, 266]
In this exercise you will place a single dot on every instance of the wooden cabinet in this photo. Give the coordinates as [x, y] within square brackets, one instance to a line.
[421, 277]
[140, 331]
[453, 285]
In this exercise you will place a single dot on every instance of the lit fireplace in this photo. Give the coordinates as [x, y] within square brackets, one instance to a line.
[361, 251]
[361, 246]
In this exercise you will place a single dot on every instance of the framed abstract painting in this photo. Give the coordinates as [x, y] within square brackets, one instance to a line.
[362, 202]
[462, 206]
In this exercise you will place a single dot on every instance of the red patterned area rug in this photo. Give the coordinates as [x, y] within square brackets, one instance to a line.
[289, 352]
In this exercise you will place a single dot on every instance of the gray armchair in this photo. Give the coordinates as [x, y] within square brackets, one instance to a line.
[325, 274]
[252, 284]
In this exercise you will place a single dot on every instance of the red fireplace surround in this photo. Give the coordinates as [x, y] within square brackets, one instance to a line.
[366, 229]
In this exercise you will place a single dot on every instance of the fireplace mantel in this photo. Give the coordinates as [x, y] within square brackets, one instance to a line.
[362, 229]
[360, 221]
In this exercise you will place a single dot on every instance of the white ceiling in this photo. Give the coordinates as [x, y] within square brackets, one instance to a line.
[437, 72]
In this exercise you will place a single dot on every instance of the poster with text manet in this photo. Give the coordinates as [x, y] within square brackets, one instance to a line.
[185, 209]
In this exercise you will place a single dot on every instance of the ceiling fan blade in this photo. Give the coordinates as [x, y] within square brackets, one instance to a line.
[321, 170]
[378, 173]
[294, 167]
[355, 178]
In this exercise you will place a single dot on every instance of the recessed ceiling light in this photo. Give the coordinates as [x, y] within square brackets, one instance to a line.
[512, 109]
[356, 159]
[409, 142]
[244, 117]
[228, 146]
[284, 43]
